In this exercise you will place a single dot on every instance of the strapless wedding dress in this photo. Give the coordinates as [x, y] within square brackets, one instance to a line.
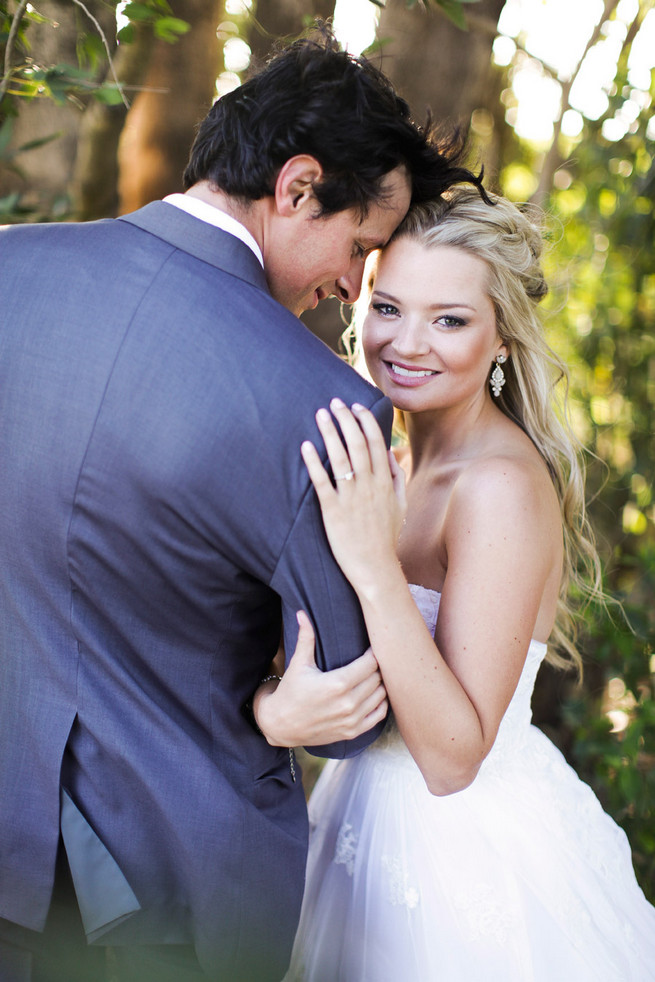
[522, 877]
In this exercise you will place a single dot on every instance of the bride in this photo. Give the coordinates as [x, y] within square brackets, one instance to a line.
[461, 847]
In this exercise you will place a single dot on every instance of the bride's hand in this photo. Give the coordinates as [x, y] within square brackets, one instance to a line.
[309, 707]
[364, 508]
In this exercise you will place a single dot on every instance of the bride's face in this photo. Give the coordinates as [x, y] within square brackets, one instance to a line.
[430, 334]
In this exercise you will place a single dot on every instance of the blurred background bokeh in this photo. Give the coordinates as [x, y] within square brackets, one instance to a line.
[99, 102]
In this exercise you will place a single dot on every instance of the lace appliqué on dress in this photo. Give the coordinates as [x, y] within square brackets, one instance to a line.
[400, 893]
[346, 848]
[485, 916]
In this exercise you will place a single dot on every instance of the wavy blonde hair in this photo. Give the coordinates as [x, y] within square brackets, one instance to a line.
[509, 240]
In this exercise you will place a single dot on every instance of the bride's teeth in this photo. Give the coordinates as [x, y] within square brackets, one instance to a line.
[408, 371]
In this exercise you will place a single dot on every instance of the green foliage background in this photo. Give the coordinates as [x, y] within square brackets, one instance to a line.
[601, 318]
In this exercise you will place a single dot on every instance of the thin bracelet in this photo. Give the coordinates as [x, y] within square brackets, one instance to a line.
[249, 705]
[292, 756]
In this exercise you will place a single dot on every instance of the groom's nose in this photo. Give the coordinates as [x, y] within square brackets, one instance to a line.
[348, 287]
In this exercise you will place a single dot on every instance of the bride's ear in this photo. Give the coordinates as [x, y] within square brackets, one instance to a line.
[294, 186]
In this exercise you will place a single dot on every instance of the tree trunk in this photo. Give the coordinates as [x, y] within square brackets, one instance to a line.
[435, 64]
[275, 19]
[179, 91]
[94, 190]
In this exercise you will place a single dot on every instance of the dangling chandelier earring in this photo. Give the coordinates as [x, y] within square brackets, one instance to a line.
[498, 379]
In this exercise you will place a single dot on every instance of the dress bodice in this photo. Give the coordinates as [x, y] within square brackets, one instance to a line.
[518, 716]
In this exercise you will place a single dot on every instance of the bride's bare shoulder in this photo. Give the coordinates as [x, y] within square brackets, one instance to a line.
[509, 485]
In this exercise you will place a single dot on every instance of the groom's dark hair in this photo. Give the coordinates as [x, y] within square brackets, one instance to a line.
[313, 98]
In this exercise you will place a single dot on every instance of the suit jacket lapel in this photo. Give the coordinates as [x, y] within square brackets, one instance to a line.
[200, 239]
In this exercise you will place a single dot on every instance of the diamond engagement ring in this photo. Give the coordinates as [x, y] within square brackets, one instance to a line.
[345, 477]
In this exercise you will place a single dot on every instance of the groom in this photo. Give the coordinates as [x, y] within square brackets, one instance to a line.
[158, 530]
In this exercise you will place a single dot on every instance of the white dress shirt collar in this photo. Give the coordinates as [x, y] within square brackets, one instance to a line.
[214, 216]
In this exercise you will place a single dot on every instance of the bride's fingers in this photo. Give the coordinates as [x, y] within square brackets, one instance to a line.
[370, 708]
[377, 446]
[375, 717]
[375, 709]
[356, 440]
[365, 450]
[359, 711]
[369, 694]
[317, 473]
[338, 455]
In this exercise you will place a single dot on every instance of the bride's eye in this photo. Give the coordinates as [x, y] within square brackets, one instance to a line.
[449, 320]
[385, 309]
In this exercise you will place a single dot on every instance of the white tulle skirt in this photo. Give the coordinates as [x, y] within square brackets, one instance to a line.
[520, 878]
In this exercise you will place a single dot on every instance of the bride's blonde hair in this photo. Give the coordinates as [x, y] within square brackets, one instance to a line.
[508, 239]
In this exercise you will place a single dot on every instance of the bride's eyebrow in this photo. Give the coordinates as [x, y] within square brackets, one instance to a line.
[456, 305]
[448, 305]
[384, 296]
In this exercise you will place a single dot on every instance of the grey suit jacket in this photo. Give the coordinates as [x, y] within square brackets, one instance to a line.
[158, 529]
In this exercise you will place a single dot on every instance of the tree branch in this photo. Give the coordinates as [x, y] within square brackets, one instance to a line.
[552, 159]
[107, 49]
[11, 41]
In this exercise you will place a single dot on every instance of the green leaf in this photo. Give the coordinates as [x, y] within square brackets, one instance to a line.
[25, 88]
[34, 144]
[5, 134]
[629, 783]
[453, 11]
[138, 11]
[126, 34]
[8, 205]
[170, 28]
[69, 74]
[90, 50]
[108, 95]
[58, 93]
[36, 17]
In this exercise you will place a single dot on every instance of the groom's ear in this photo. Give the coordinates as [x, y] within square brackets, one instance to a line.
[294, 187]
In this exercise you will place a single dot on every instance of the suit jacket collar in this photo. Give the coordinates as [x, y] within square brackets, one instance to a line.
[200, 239]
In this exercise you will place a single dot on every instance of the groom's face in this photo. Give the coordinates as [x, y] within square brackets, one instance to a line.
[325, 256]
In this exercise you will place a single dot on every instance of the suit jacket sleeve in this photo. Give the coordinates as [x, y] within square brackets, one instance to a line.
[308, 578]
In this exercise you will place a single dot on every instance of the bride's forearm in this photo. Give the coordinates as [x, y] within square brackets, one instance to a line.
[434, 714]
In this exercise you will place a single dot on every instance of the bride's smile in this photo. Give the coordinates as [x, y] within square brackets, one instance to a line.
[406, 375]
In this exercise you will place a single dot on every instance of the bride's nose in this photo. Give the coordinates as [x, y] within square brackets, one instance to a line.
[410, 338]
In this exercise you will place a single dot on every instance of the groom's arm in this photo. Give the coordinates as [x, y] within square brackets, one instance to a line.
[308, 578]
